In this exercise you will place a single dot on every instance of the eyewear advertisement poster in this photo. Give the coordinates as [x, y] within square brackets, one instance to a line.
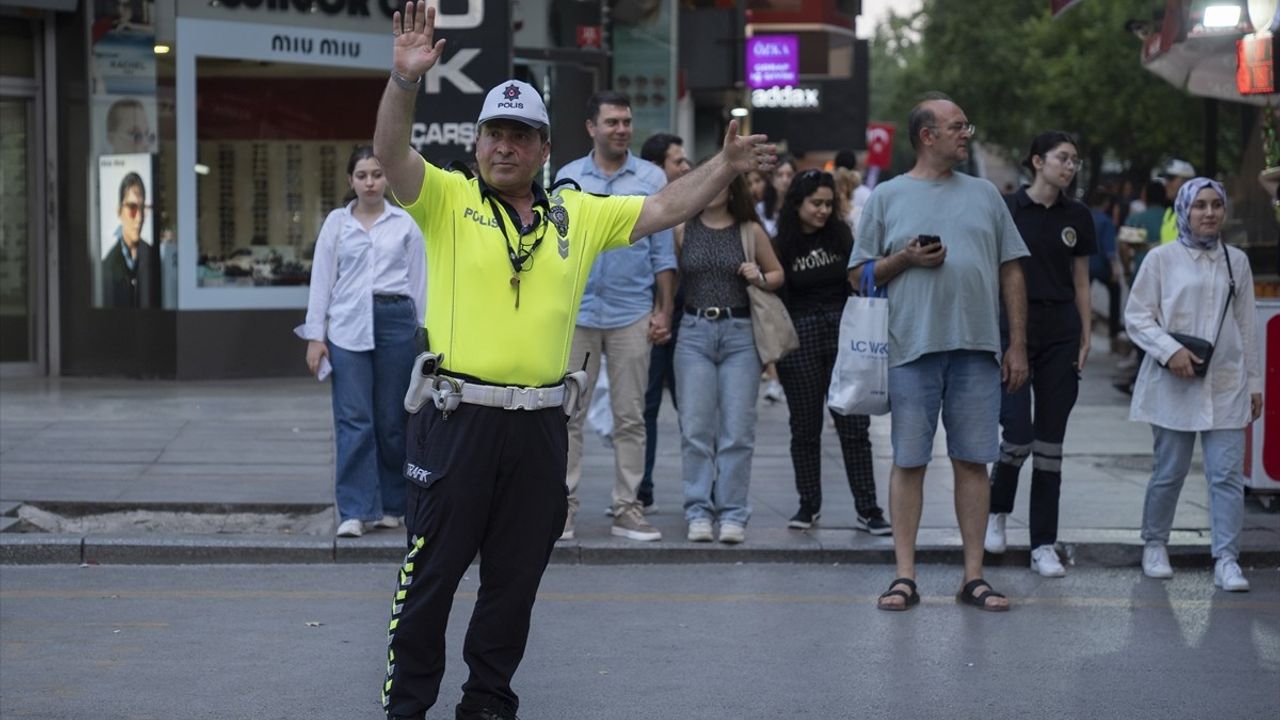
[122, 75]
[127, 260]
[643, 38]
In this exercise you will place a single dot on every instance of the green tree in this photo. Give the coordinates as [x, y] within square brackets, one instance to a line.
[1017, 71]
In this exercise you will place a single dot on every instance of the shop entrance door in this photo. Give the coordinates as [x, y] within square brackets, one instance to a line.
[23, 326]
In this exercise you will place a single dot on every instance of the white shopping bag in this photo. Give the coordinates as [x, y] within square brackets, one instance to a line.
[860, 379]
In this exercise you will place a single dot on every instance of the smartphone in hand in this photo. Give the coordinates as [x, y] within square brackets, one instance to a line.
[927, 240]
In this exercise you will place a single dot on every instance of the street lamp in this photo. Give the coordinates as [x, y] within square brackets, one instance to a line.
[1216, 17]
[739, 112]
[1222, 16]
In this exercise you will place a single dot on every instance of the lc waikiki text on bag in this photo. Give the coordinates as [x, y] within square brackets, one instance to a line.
[770, 322]
[860, 378]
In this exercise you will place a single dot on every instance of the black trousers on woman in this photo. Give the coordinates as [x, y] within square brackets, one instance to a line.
[1053, 347]
[805, 375]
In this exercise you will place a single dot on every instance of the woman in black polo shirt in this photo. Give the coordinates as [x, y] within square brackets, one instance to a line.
[1058, 231]
[813, 244]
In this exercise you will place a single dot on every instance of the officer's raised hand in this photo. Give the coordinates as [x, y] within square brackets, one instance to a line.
[415, 50]
[745, 153]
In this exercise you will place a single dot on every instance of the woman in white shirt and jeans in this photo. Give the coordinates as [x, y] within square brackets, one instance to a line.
[1183, 287]
[368, 289]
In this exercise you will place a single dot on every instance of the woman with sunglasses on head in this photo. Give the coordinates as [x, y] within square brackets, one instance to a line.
[1059, 233]
[716, 362]
[367, 302]
[813, 245]
[1192, 310]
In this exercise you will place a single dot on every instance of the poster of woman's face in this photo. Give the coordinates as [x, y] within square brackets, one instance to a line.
[124, 124]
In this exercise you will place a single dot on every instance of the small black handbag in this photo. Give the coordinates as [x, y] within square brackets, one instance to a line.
[1200, 347]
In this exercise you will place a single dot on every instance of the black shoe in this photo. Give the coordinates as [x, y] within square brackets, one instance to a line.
[804, 519]
[876, 524]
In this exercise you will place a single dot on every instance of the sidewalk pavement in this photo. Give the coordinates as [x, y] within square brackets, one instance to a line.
[76, 446]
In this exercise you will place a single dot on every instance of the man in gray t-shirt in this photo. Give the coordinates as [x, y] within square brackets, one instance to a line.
[944, 332]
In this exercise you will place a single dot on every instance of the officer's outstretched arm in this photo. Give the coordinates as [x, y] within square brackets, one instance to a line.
[683, 198]
[414, 52]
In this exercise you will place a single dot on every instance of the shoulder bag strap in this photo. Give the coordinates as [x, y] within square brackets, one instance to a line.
[1231, 291]
[748, 242]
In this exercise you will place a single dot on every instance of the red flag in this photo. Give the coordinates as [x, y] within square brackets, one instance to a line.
[879, 144]
[1059, 5]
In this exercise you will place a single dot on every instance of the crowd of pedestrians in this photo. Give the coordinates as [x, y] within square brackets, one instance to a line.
[657, 270]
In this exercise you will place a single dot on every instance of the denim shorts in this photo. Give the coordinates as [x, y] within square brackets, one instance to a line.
[965, 385]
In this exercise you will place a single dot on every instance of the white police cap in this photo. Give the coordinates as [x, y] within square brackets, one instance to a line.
[514, 100]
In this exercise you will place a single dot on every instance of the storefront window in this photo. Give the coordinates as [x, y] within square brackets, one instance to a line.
[272, 143]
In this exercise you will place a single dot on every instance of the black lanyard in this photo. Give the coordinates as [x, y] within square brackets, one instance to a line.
[518, 255]
[518, 259]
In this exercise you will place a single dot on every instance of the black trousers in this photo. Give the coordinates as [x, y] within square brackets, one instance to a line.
[488, 481]
[805, 375]
[1053, 347]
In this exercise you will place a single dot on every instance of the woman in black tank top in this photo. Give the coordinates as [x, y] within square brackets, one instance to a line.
[717, 368]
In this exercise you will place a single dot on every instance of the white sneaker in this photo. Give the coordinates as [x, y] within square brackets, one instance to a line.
[567, 534]
[1044, 560]
[350, 528]
[1228, 576]
[388, 522]
[630, 524]
[773, 391]
[1155, 561]
[732, 533]
[996, 541]
[700, 530]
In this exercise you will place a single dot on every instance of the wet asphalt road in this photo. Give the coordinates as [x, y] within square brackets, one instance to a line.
[646, 642]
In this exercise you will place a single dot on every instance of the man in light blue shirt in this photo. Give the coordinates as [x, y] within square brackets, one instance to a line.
[620, 315]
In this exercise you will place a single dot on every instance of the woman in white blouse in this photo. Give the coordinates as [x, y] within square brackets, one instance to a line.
[1198, 287]
[367, 303]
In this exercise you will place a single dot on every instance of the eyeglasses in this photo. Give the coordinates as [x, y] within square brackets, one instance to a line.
[958, 127]
[137, 136]
[134, 208]
[813, 173]
[1073, 161]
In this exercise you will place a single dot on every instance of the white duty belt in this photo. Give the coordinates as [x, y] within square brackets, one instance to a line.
[446, 392]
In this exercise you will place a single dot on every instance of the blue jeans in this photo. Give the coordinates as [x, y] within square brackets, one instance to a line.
[718, 373]
[1223, 468]
[965, 386]
[369, 416]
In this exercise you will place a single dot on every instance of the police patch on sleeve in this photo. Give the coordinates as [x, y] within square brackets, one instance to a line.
[1069, 236]
[560, 218]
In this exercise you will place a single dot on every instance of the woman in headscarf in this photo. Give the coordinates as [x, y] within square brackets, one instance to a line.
[1192, 310]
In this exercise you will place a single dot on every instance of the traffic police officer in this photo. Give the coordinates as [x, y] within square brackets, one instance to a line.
[507, 263]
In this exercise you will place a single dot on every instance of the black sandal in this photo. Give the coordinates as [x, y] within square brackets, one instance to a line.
[910, 599]
[967, 596]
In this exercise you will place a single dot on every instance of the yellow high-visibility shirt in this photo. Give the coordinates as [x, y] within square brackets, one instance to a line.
[472, 316]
